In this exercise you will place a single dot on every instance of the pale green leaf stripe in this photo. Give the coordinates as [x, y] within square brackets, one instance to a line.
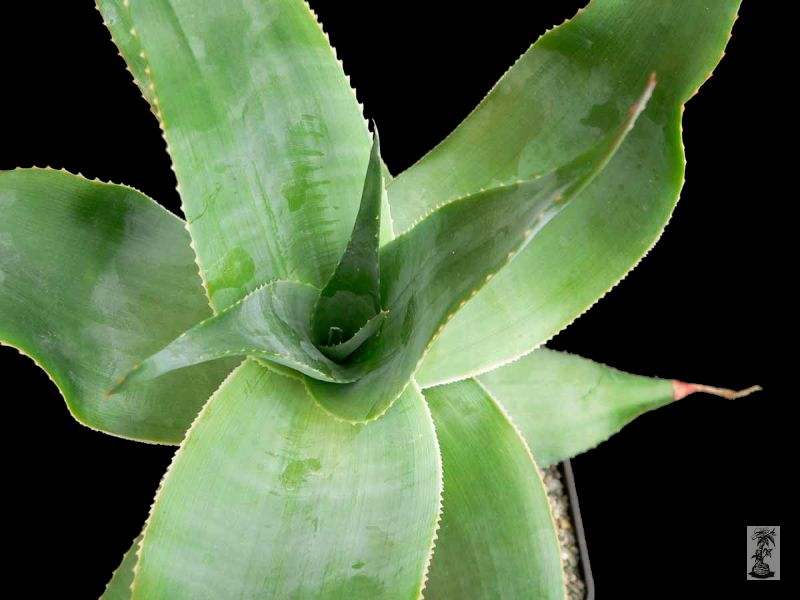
[574, 82]
[119, 588]
[497, 538]
[269, 497]
[430, 271]
[266, 137]
[94, 276]
[565, 404]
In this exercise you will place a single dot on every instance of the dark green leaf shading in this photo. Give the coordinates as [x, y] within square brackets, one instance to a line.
[339, 352]
[352, 297]
[94, 276]
[497, 538]
[431, 270]
[271, 323]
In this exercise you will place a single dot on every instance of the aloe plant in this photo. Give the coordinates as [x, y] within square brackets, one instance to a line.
[342, 354]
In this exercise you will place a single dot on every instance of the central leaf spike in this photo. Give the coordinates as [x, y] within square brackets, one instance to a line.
[348, 311]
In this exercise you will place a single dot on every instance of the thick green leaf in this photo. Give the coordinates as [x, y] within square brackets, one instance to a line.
[94, 276]
[269, 497]
[431, 270]
[266, 137]
[497, 538]
[352, 297]
[571, 85]
[119, 588]
[564, 404]
[271, 323]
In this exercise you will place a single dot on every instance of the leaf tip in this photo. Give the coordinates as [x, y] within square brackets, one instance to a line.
[641, 102]
[681, 389]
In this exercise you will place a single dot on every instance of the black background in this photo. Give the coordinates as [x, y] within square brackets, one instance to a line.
[664, 502]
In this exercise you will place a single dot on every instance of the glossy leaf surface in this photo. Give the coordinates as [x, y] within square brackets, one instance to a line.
[573, 83]
[565, 404]
[269, 497]
[266, 137]
[497, 538]
[352, 297]
[430, 271]
[94, 276]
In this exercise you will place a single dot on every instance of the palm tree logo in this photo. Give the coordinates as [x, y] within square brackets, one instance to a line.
[765, 537]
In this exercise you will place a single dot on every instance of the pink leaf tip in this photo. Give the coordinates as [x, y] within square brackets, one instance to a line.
[681, 389]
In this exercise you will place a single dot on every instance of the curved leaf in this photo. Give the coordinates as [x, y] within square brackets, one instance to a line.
[353, 295]
[339, 352]
[94, 276]
[269, 497]
[271, 323]
[266, 137]
[574, 82]
[119, 588]
[565, 404]
[497, 538]
[431, 270]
